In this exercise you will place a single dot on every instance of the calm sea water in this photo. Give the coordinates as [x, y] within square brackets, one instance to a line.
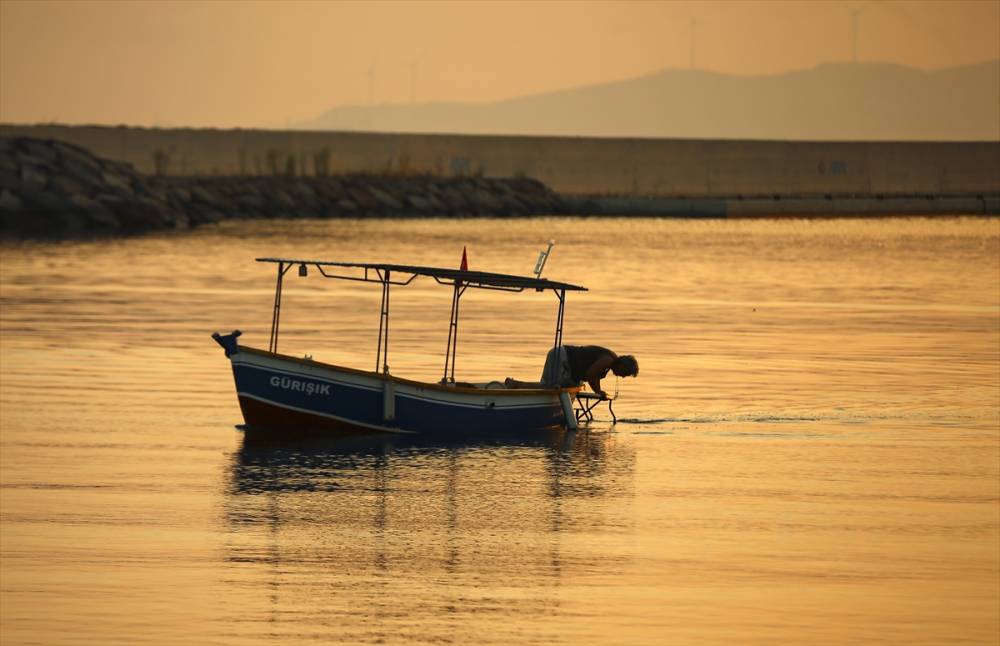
[811, 452]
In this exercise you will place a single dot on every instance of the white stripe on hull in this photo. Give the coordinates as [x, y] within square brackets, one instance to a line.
[313, 372]
[506, 401]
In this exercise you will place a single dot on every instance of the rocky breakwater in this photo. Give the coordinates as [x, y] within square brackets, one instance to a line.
[54, 189]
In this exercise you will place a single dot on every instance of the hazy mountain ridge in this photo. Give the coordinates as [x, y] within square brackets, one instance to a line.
[834, 101]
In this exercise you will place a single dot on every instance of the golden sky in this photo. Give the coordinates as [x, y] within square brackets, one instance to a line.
[265, 64]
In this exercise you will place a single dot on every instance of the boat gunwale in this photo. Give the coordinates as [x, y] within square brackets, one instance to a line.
[503, 392]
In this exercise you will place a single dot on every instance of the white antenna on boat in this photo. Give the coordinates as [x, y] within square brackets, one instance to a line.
[542, 257]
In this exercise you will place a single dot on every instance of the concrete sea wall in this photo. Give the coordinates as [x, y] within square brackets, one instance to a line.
[783, 206]
[733, 171]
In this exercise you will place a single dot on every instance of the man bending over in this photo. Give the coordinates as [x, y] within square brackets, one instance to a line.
[570, 365]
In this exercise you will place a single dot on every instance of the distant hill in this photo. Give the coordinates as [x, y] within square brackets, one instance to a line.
[835, 101]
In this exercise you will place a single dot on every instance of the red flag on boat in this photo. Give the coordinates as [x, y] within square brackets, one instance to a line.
[465, 261]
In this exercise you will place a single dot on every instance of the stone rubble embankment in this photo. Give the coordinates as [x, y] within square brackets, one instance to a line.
[52, 188]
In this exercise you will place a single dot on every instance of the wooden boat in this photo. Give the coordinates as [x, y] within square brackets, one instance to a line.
[281, 392]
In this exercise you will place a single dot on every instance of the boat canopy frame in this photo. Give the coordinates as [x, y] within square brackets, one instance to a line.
[383, 274]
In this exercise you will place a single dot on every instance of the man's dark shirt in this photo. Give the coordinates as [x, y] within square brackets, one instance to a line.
[581, 357]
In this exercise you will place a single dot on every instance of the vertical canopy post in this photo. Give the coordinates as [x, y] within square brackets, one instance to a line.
[559, 317]
[382, 353]
[557, 342]
[276, 313]
[452, 349]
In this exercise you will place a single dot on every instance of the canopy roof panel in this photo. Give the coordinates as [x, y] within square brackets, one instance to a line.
[441, 275]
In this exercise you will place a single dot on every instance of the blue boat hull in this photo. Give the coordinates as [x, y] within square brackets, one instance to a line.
[286, 393]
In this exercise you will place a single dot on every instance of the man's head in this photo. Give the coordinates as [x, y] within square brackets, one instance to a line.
[625, 366]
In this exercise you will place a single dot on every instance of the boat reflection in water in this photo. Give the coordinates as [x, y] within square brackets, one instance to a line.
[404, 540]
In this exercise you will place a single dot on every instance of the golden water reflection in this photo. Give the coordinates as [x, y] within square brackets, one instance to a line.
[363, 536]
[811, 453]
